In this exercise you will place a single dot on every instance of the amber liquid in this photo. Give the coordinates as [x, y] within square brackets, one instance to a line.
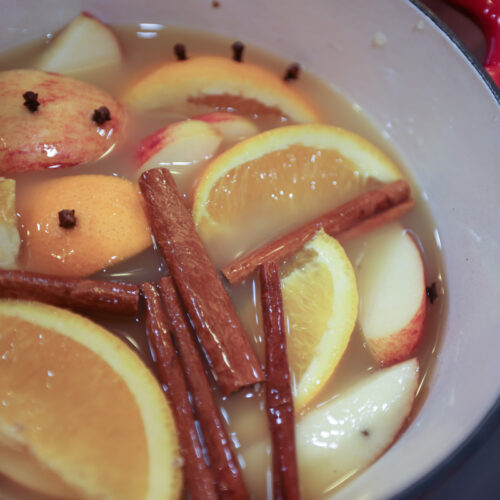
[147, 45]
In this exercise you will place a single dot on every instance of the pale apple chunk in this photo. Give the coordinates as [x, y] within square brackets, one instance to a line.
[62, 128]
[346, 434]
[234, 128]
[85, 44]
[351, 432]
[390, 275]
[183, 147]
[9, 235]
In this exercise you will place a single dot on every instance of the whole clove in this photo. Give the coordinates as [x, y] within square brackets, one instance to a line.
[292, 72]
[101, 115]
[431, 292]
[180, 51]
[238, 49]
[31, 100]
[67, 219]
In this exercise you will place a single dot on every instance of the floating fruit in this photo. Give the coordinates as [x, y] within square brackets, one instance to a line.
[108, 224]
[391, 282]
[81, 415]
[64, 54]
[320, 300]
[275, 181]
[50, 120]
[234, 128]
[345, 434]
[218, 83]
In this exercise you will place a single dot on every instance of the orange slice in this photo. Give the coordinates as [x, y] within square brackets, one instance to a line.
[320, 300]
[277, 180]
[81, 415]
[111, 224]
[222, 84]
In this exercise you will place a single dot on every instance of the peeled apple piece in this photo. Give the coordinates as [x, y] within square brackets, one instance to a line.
[346, 434]
[350, 432]
[86, 43]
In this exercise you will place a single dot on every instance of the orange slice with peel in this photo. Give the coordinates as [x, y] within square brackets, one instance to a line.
[111, 224]
[222, 84]
[320, 300]
[276, 181]
[81, 415]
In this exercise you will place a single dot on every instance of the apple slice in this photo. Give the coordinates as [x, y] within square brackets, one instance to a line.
[234, 128]
[85, 43]
[9, 235]
[390, 274]
[62, 122]
[183, 147]
[346, 434]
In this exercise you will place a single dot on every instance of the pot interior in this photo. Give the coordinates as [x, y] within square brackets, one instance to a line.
[443, 119]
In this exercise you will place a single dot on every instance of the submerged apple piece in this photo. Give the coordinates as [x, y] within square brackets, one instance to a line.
[218, 83]
[78, 225]
[346, 434]
[9, 235]
[349, 433]
[234, 128]
[86, 43]
[182, 147]
[61, 131]
[390, 276]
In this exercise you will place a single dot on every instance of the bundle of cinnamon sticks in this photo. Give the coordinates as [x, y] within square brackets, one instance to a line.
[195, 293]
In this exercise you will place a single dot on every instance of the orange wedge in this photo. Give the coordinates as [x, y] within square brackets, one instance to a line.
[111, 224]
[81, 416]
[320, 300]
[222, 84]
[273, 182]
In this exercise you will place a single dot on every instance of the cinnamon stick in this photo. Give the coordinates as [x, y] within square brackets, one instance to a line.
[74, 293]
[375, 221]
[334, 222]
[198, 477]
[279, 399]
[225, 343]
[223, 461]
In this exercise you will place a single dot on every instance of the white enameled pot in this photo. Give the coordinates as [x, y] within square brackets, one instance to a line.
[443, 115]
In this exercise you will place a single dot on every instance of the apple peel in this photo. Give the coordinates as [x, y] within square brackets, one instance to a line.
[391, 282]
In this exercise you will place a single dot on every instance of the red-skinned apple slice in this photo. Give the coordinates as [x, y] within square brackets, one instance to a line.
[391, 284]
[63, 130]
[234, 128]
[85, 43]
[183, 147]
[346, 434]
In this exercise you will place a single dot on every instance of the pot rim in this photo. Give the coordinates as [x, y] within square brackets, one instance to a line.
[478, 437]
